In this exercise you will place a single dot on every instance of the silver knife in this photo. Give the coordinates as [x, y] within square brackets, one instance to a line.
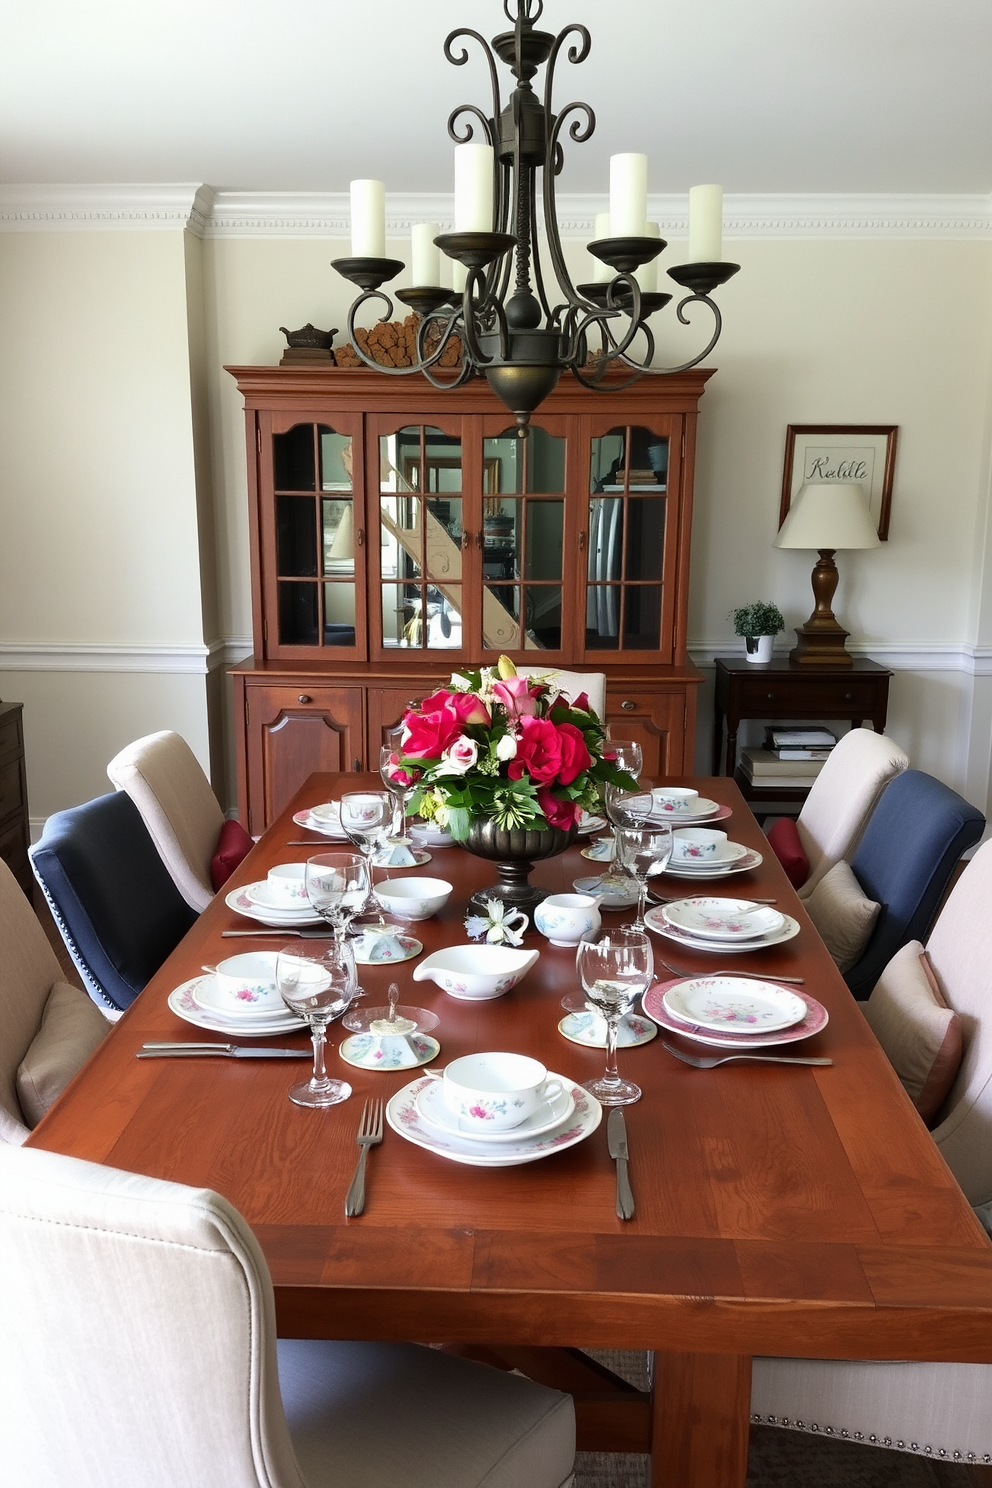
[226, 1051]
[616, 1132]
[324, 933]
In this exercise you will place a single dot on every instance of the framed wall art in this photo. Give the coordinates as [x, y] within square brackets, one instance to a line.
[848, 452]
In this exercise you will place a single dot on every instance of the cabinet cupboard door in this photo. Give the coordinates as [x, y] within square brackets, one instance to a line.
[293, 730]
[658, 721]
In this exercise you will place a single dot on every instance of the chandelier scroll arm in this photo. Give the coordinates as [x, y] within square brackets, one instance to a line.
[685, 320]
[580, 130]
[461, 58]
[377, 294]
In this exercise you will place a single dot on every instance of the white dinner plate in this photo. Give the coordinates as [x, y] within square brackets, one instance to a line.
[654, 1006]
[734, 1005]
[655, 920]
[325, 827]
[238, 900]
[549, 1115]
[262, 897]
[751, 859]
[723, 919]
[208, 996]
[403, 1117]
[185, 1006]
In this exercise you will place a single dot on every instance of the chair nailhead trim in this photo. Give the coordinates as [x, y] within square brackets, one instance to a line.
[947, 1454]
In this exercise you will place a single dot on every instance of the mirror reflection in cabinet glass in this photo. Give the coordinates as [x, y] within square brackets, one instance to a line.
[422, 617]
[642, 617]
[406, 455]
[335, 460]
[296, 538]
[611, 470]
[339, 536]
[532, 465]
[339, 614]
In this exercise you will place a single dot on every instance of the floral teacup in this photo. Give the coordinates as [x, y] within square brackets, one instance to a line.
[697, 844]
[495, 1092]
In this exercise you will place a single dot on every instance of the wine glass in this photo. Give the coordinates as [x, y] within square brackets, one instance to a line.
[628, 756]
[337, 886]
[398, 789]
[614, 972]
[318, 983]
[624, 808]
[644, 850]
[367, 819]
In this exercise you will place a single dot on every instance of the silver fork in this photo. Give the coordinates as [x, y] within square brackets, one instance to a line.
[698, 1063]
[754, 976]
[369, 1135]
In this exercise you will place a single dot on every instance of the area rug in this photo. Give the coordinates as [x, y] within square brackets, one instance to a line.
[776, 1458]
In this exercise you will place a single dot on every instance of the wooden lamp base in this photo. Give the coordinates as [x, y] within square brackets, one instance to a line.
[821, 640]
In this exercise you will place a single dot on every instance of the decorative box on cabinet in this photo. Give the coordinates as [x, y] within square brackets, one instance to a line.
[399, 532]
[14, 833]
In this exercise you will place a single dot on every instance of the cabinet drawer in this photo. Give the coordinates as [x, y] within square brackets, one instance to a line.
[768, 697]
[10, 738]
[11, 788]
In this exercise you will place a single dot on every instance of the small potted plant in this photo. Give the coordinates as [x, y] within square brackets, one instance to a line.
[759, 624]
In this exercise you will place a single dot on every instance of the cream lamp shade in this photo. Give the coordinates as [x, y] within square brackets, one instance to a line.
[826, 515]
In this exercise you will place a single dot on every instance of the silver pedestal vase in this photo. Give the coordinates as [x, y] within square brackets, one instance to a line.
[515, 850]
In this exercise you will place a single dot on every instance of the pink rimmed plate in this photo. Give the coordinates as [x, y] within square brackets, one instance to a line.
[653, 1004]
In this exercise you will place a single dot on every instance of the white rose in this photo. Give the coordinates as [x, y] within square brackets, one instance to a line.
[460, 758]
[506, 748]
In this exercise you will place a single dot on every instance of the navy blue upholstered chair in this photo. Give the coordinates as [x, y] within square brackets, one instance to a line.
[112, 897]
[905, 859]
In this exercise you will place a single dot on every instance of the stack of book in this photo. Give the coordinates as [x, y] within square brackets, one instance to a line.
[792, 757]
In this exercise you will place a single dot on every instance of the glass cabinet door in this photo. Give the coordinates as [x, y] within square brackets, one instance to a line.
[315, 597]
[524, 578]
[630, 543]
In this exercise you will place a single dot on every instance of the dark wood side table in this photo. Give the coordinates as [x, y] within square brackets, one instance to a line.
[14, 835]
[782, 691]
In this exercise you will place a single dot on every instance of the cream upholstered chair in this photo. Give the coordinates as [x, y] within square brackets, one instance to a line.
[163, 777]
[937, 1409]
[48, 1029]
[573, 684]
[837, 808]
[138, 1350]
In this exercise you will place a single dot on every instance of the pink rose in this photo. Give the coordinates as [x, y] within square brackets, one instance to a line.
[428, 732]
[396, 772]
[518, 698]
[469, 708]
[581, 703]
[558, 813]
[575, 757]
[460, 756]
[538, 751]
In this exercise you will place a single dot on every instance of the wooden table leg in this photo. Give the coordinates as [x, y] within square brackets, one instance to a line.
[702, 1404]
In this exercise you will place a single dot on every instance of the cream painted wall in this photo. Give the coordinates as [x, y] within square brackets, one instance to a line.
[97, 499]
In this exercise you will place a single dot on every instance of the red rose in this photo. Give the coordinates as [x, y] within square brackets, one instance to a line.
[575, 757]
[428, 732]
[538, 751]
[558, 813]
[581, 703]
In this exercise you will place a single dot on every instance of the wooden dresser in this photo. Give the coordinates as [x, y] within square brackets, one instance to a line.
[14, 834]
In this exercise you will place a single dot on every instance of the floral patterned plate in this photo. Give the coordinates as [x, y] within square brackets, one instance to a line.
[723, 919]
[654, 1005]
[589, 1030]
[655, 920]
[184, 1005]
[404, 1117]
[369, 1051]
[733, 1005]
[703, 812]
[238, 900]
[751, 859]
[325, 825]
[549, 1115]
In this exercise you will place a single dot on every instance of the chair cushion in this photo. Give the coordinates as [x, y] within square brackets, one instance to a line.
[71, 1028]
[920, 1034]
[233, 846]
[785, 843]
[842, 914]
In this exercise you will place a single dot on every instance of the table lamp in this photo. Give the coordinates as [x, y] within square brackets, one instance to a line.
[826, 515]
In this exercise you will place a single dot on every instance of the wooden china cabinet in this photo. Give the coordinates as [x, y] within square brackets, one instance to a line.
[399, 532]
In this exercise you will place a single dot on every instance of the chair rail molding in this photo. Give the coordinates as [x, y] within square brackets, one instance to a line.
[44, 656]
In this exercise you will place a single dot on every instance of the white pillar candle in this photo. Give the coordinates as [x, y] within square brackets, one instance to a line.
[425, 263]
[705, 224]
[368, 219]
[602, 273]
[647, 274]
[473, 188]
[459, 274]
[628, 195]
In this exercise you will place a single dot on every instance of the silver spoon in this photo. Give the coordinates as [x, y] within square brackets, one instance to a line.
[710, 1063]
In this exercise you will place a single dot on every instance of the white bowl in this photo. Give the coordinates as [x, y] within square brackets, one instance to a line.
[675, 799]
[696, 844]
[248, 982]
[287, 885]
[427, 834]
[475, 973]
[413, 898]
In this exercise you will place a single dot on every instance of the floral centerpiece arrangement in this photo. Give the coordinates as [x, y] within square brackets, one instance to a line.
[504, 749]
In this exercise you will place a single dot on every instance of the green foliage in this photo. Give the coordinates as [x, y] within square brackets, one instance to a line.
[758, 619]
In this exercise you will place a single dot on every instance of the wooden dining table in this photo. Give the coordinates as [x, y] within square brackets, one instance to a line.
[780, 1210]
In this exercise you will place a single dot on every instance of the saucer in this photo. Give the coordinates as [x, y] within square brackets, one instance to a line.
[726, 855]
[601, 851]
[393, 948]
[549, 1115]
[655, 920]
[703, 811]
[733, 1005]
[612, 898]
[723, 919]
[327, 827]
[366, 1051]
[185, 1006]
[750, 858]
[208, 996]
[589, 1030]
[816, 1019]
[292, 919]
[404, 1118]
[262, 897]
[589, 824]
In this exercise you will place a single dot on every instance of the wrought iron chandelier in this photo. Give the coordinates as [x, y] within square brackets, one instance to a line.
[516, 336]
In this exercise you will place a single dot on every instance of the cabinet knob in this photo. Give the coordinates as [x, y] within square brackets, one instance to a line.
[304, 697]
[360, 536]
[628, 706]
[770, 696]
[466, 539]
[413, 703]
[848, 696]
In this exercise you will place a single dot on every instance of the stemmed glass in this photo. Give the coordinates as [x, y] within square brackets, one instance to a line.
[629, 756]
[318, 983]
[366, 818]
[399, 791]
[337, 886]
[644, 851]
[625, 809]
[614, 972]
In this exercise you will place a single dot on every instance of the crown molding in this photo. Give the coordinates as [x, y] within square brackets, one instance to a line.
[129, 208]
[295, 214]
